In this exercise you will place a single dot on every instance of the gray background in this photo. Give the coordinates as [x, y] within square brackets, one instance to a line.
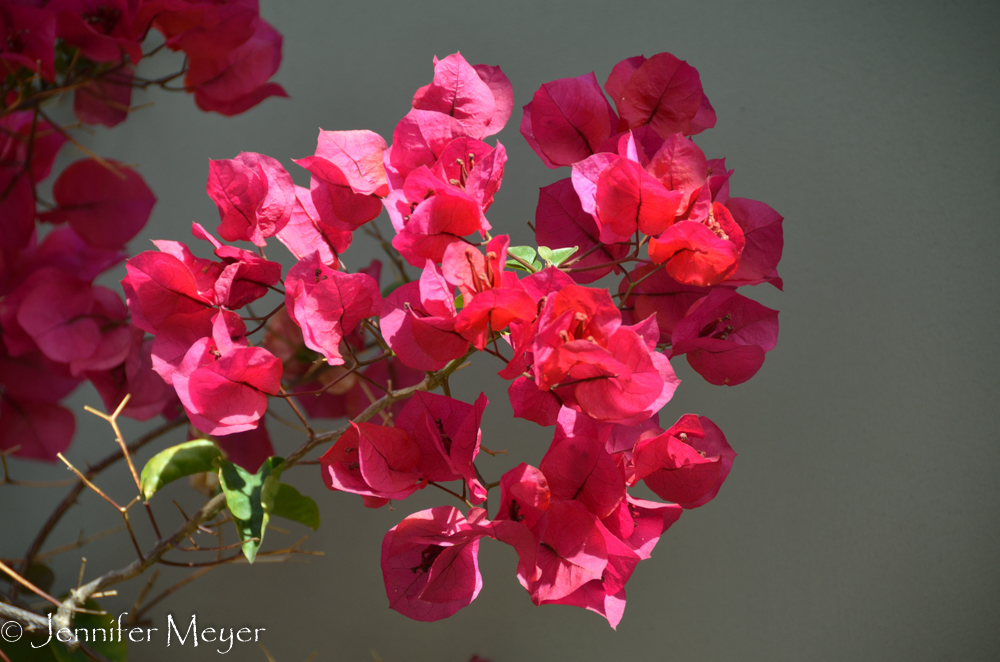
[860, 518]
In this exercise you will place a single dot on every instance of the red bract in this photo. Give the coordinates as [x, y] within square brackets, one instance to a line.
[492, 299]
[469, 94]
[224, 385]
[308, 232]
[328, 304]
[38, 429]
[236, 81]
[17, 206]
[161, 291]
[105, 208]
[560, 222]
[473, 166]
[532, 403]
[63, 249]
[430, 563]
[350, 158]
[700, 254]
[568, 120]
[34, 377]
[418, 322]
[418, 139]
[248, 449]
[429, 214]
[594, 365]
[27, 39]
[461, 102]
[135, 376]
[579, 467]
[447, 431]
[101, 28]
[106, 101]
[239, 279]
[374, 461]
[687, 464]
[56, 314]
[254, 194]
[15, 136]
[761, 228]
[572, 551]
[680, 165]
[629, 199]
[725, 337]
[30, 417]
[201, 28]
[661, 91]
[656, 293]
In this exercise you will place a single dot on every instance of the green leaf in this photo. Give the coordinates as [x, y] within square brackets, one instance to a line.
[23, 651]
[557, 256]
[560, 255]
[527, 254]
[165, 467]
[288, 503]
[459, 302]
[102, 632]
[250, 499]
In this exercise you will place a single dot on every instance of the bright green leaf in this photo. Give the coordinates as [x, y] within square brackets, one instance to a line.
[294, 506]
[526, 253]
[250, 499]
[459, 302]
[557, 256]
[560, 255]
[191, 457]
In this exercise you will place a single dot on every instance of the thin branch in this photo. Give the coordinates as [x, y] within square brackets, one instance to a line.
[25, 583]
[263, 320]
[173, 589]
[83, 148]
[75, 492]
[527, 266]
[80, 542]
[454, 494]
[602, 265]
[302, 418]
[77, 597]
[632, 284]
[429, 383]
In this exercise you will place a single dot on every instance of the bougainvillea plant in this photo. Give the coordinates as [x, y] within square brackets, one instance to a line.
[639, 253]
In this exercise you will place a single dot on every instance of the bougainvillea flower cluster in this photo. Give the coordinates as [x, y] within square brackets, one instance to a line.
[59, 328]
[640, 252]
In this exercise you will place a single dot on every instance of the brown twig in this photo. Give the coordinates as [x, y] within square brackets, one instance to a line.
[75, 492]
[429, 383]
[25, 583]
[83, 148]
[454, 494]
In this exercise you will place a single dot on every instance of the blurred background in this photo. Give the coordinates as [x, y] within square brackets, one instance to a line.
[859, 521]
